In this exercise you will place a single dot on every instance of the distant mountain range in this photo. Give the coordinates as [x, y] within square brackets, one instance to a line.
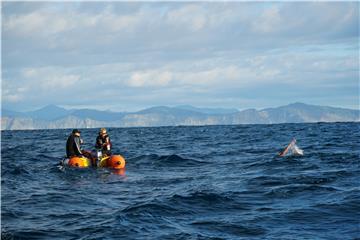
[52, 117]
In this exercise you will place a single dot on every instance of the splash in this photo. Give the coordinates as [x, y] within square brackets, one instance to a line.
[292, 149]
[295, 150]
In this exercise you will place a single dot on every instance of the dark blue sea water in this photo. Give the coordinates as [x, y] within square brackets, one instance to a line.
[211, 182]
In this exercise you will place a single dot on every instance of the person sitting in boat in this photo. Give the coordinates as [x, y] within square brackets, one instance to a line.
[73, 144]
[103, 142]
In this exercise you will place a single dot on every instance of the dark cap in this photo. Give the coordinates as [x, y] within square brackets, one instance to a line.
[76, 131]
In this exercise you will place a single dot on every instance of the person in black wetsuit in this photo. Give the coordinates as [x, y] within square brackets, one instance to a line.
[73, 144]
[103, 142]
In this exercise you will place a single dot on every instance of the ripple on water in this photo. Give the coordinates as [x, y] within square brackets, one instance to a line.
[208, 182]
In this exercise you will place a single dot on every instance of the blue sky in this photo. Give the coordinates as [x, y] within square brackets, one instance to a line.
[128, 56]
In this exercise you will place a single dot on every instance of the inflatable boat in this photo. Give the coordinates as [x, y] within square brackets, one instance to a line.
[112, 161]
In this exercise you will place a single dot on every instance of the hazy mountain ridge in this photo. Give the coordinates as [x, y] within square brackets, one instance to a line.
[51, 117]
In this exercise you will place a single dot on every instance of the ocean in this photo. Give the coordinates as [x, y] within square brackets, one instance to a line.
[186, 182]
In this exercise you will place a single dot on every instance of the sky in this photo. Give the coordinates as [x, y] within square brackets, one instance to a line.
[127, 56]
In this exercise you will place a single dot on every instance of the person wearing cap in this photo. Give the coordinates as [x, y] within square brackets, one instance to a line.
[103, 142]
[73, 144]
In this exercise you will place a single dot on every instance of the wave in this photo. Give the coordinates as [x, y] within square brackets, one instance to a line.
[177, 161]
[164, 161]
[153, 208]
[28, 234]
[15, 170]
[342, 208]
[267, 181]
[274, 161]
[184, 183]
[336, 157]
[199, 200]
[6, 235]
[236, 229]
[296, 189]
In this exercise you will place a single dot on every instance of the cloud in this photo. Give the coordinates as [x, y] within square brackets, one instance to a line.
[269, 21]
[42, 23]
[192, 17]
[29, 72]
[207, 78]
[204, 52]
[120, 82]
[12, 98]
[48, 79]
[60, 81]
[104, 32]
[150, 78]
[211, 76]
[13, 94]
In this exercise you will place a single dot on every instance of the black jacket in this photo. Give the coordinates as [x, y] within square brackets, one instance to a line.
[73, 146]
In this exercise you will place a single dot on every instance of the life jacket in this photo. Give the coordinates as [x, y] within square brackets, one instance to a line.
[100, 140]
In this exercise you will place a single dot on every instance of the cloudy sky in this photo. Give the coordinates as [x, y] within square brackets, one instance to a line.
[127, 56]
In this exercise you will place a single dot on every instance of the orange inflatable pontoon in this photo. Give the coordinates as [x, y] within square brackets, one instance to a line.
[113, 161]
[80, 162]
